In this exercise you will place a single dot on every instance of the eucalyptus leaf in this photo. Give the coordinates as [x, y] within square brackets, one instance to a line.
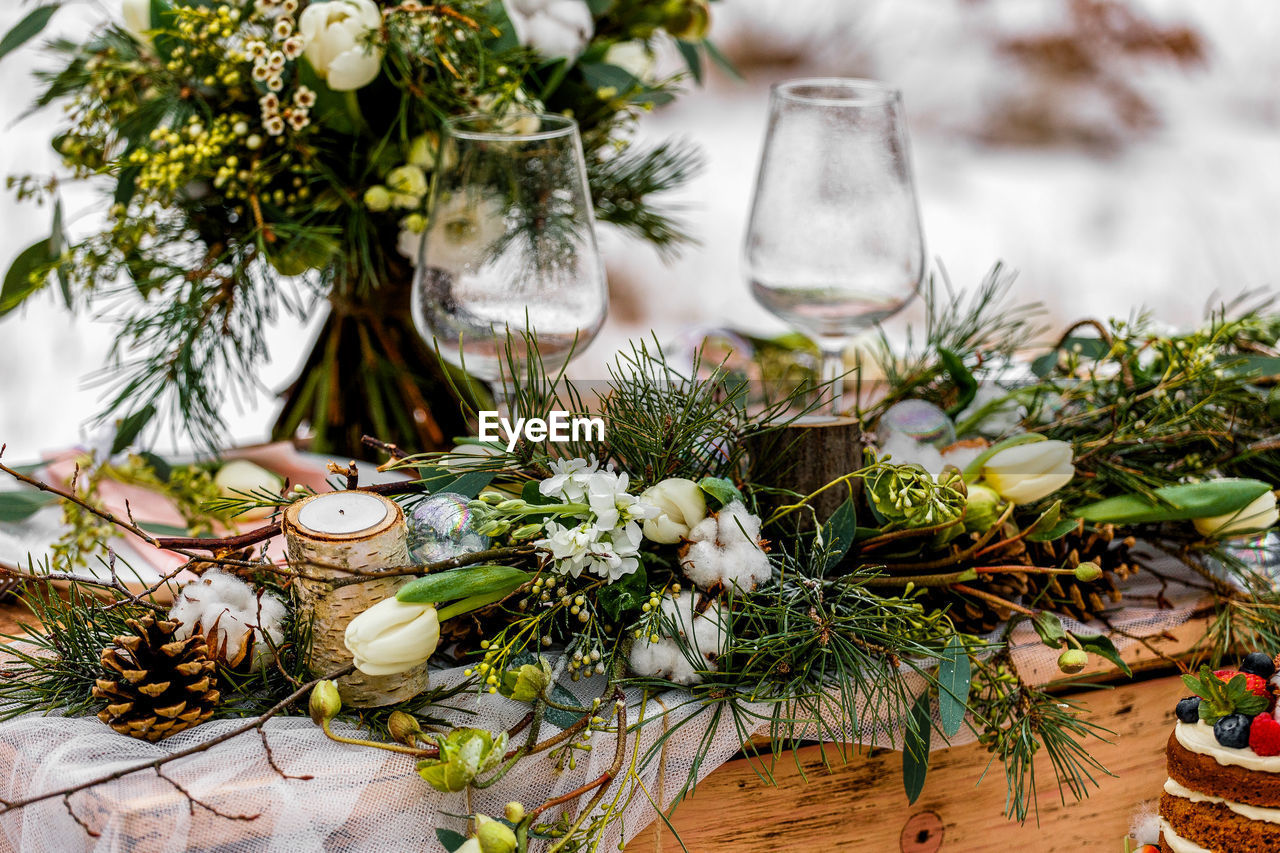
[954, 678]
[1102, 646]
[27, 29]
[839, 532]
[18, 284]
[19, 506]
[1177, 503]
[915, 748]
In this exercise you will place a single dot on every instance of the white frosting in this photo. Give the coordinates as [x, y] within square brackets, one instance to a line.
[1198, 737]
[1243, 809]
[1177, 843]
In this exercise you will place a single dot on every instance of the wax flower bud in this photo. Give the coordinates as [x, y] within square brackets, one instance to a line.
[325, 702]
[1026, 473]
[1088, 572]
[681, 505]
[403, 727]
[494, 836]
[982, 508]
[1072, 661]
[514, 812]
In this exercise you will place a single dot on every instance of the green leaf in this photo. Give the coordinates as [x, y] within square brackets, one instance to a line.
[462, 583]
[19, 506]
[559, 717]
[721, 60]
[915, 748]
[163, 470]
[530, 494]
[58, 242]
[1057, 531]
[27, 29]
[130, 427]
[470, 484]
[692, 58]
[331, 107]
[17, 282]
[1050, 629]
[628, 593]
[449, 839]
[839, 531]
[162, 18]
[962, 377]
[954, 676]
[1178, 503]
[720, 489]
[1102, 646]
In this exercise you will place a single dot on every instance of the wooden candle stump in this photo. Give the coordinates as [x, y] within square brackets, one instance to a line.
[333, 551]
[804, 457]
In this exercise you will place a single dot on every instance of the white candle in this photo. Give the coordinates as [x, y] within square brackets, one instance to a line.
[342, 512]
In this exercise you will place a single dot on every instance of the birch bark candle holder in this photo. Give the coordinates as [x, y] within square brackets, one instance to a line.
[327, 537]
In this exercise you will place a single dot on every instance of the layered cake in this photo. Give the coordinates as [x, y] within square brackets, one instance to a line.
[1223, 791]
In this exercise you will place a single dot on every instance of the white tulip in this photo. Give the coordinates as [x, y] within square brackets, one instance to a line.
[240, 477]
[557, 29]
[1029, 472]
[336, 33]
[408, 186]
[680, 504]
[1257, 516]
[634, 57]
[137, 18]
[392, 637]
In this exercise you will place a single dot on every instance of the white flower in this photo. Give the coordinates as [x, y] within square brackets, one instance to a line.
[679, 505]
[555, 28]
[1028, 472]
[1260, 514]
[568, 480]
[689, 642]
[634, 57]
[725, 549]
[337, 38]
[240, 477]
[610, 554]
[232, 617]
[392, 636]
[409, 243]
[612, 505]
[137, 19]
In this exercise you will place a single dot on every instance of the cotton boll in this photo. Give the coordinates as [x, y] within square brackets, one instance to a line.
[905, 450]
[725, 549]
[1145, 826]
[690, 641]
[232, 616]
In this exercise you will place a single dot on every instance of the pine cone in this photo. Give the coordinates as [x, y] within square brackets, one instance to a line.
[155, 685]
[1081, 600]
[976, 615]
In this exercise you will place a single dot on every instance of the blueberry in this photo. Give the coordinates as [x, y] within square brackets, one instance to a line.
[1257, 663]
[1189, 709]
[1232, 731]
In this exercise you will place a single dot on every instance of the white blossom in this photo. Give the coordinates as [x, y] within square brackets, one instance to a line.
[688, 644]
[337, 34]
[558, 29]
[136, 15]
[725, 549]
[568, 480]
[235, 619]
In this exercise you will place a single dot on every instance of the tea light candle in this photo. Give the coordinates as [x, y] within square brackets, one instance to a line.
[337, 513]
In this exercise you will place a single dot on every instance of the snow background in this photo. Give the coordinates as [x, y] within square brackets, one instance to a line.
[1166, 218]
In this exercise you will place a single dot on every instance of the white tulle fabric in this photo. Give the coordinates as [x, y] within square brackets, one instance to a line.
[361, 799]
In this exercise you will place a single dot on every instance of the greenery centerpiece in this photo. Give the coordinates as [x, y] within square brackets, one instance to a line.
[260, 157]
[657, 558]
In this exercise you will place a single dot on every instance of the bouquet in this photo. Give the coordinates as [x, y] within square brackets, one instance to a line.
[264, 157]
[673, 553]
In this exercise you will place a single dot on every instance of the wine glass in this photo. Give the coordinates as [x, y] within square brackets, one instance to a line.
[509, 247]
[834, 243]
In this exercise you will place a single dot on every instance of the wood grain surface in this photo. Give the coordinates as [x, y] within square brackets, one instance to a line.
[859, 806]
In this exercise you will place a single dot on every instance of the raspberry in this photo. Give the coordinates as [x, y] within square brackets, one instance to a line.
[1264, 735]
[1255, 684]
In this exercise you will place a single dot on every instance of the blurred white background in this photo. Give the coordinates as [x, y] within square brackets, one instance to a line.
[1117, 153]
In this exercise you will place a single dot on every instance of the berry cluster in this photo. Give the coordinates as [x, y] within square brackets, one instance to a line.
[1237, 703]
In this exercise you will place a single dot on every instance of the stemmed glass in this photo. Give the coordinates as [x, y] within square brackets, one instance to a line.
[834, 243]
[509, 247]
